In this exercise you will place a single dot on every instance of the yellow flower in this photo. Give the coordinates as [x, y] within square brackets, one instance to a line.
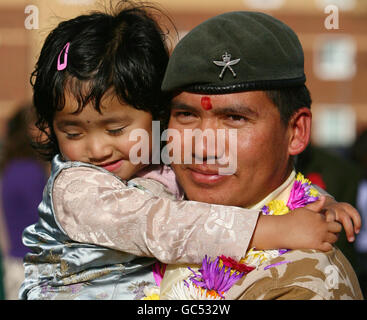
[151, 293]
[153, 296]
[314, 192]
[254, 257]
[301, 178]
[278, 207]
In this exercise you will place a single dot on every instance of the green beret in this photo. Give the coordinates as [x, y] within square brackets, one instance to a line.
[235, 52]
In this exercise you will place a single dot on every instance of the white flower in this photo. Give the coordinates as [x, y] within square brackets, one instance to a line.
[150, 291]
[187, 291]
[255, 258]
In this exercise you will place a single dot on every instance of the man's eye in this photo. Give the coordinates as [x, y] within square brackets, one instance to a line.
[236, 117]
[183, 114]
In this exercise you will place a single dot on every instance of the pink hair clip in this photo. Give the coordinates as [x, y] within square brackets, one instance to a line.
[62, 66]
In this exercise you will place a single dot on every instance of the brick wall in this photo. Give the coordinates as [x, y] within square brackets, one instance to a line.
[14, 66]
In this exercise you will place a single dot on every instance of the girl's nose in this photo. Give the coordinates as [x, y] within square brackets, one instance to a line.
[99, 150]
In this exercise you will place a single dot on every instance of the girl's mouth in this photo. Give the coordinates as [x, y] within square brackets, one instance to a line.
[112, 166]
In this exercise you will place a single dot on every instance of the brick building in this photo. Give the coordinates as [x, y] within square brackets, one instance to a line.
[335, 50]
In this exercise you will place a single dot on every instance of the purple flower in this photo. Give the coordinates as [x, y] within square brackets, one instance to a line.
[212, 277]
[283, 251]
[299, 196]
[265, 210]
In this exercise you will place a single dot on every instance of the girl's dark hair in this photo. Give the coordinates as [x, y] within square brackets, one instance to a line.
[124, 51]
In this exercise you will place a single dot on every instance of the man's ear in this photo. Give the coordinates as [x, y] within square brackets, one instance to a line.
[300, 131]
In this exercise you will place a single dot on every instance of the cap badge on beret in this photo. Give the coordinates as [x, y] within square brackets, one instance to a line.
[226, 64]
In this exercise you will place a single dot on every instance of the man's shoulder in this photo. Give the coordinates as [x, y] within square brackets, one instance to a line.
[301, 274]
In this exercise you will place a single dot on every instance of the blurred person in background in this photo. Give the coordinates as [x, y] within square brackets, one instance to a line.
[2, 293]
[22, 179]
[359, 155]
[340, 177]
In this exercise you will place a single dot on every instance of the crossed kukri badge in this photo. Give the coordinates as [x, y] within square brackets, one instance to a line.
[226, 64]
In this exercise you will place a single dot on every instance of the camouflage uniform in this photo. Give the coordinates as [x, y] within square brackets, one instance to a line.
[303, 275]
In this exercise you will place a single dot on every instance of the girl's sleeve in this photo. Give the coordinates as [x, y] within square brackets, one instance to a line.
[94, 207]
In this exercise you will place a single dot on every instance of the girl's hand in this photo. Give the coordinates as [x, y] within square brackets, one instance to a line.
[344, 213]
[311, 229]
[302, 228]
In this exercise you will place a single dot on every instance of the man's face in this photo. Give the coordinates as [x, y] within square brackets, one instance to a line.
[263, 160]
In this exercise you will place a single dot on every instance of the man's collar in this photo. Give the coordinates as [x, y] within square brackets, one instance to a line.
[281, 193]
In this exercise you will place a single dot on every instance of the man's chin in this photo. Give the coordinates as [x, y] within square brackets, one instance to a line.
[210, 195]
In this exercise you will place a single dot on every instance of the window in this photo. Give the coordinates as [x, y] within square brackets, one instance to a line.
[264, 4]
[344, 5]
[77, 2]
[335, 57]
[334, 125]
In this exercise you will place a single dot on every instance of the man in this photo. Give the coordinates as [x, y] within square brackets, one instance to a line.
[245, 70]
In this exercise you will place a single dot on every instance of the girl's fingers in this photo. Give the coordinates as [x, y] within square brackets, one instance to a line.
[318, 205]
[348, 226]
[330, 215]
[334, 227]
[331, 237]
[326, 246]
[351, 212]
[357, 221]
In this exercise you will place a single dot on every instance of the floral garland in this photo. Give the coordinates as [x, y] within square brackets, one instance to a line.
[152, 292]
[302, 194]
[216, 277]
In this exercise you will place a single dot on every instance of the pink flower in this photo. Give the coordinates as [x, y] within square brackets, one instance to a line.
[158, 272]
[299, 196]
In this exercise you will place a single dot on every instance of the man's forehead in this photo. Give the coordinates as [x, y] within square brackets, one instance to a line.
[249, 100]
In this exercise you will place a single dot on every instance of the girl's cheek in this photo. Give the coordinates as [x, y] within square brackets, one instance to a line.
[71, 151]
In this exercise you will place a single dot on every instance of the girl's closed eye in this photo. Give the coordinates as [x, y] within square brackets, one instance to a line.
[73, 135]
[117, 131]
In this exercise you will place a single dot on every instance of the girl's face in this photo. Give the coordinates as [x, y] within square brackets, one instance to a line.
[101, 139]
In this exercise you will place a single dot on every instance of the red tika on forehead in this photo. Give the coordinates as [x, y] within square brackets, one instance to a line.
[206, 103]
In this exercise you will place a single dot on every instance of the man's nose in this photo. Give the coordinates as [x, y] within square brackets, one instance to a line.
[207, 146]
[99, 149]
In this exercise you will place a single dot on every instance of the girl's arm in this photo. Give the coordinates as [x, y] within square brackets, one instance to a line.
[94, 207]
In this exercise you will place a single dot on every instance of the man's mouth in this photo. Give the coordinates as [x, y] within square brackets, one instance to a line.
[111, 166]
[205, 175]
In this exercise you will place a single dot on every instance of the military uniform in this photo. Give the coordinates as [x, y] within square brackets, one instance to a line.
[309, 275]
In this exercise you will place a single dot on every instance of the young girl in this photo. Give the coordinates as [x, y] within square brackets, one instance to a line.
[97, 79]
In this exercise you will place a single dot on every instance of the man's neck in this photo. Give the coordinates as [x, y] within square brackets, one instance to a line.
[280, 193]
